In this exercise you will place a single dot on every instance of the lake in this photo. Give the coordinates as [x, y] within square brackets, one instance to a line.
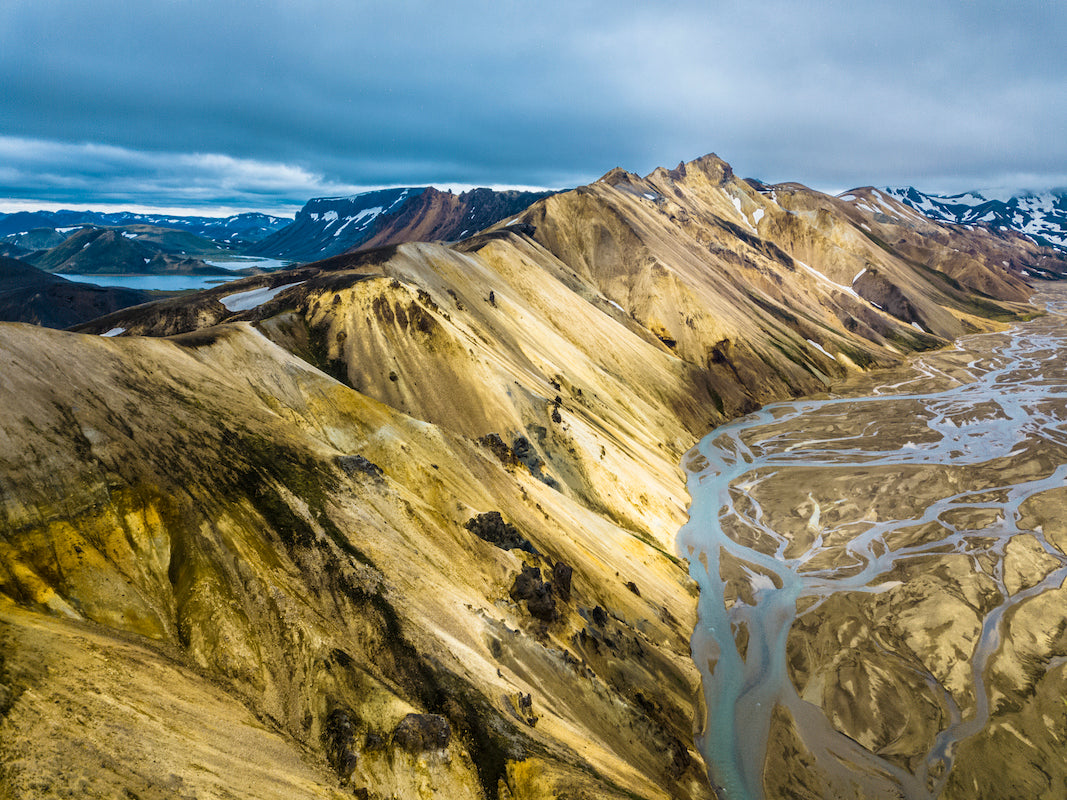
[167, 283]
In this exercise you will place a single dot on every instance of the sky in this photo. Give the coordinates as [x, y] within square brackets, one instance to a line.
[238, 105]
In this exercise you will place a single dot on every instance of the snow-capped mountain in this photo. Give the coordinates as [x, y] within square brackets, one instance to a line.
[327, 226]
[1041, 216]
[236, 230]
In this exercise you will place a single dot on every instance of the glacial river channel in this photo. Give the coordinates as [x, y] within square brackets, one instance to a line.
[810, 500]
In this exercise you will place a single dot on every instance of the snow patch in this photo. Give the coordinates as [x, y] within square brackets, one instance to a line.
[253, 298]
[398, 200]
[128, 235]
[114, 332]
[329, 216]
[824, 279]
[757, 215]
[361, 220]
[364, 217]
[820, 348]
[744, 219]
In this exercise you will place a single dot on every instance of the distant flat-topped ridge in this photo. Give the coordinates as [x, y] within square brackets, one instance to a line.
[328, 226]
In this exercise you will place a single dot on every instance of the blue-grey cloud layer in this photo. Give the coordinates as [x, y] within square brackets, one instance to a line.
[335, 93]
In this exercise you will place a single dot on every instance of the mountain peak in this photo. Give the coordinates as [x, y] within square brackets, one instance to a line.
[1042, 216]
[615, 176]
[710, 165]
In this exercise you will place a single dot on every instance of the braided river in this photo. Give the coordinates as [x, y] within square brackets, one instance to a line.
[860, 557]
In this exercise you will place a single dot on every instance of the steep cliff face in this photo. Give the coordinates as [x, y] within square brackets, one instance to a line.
[422, 480]
[327, 226]
[436, 216]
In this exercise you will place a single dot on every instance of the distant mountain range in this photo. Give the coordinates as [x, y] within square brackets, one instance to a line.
[328, 226]
[1042, 216]
[237, 230]
[324, 227]
[134, 250]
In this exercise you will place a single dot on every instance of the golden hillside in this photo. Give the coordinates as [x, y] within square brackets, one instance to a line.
[247, 539]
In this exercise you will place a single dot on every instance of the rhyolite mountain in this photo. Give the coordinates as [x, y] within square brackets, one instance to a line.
[327, 226]
[1042, 216]
[401, 522]
[236, 230]
[28, 294]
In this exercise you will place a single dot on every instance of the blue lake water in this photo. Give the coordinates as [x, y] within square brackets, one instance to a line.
[262, 263]
[169, 283]
[176, 283]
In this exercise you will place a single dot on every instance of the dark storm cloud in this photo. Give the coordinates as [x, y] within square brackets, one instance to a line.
[271, 102]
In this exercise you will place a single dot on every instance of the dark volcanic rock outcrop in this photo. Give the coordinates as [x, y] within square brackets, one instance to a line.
[29, 295]
[492, 528]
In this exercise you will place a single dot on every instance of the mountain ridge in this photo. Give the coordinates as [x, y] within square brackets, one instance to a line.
[417, 505]
[236, 229]
[328, 226]
[1040, 215]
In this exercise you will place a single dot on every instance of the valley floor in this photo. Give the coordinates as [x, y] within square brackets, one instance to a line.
[883, 577]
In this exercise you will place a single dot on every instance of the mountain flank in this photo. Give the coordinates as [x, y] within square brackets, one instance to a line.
[1040, 216]
[332, 225]
[404, 518]
[236, 230]
[131, 251]
[28, 294]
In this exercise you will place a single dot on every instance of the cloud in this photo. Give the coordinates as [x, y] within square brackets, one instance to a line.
[327, 93]
[57, 172]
